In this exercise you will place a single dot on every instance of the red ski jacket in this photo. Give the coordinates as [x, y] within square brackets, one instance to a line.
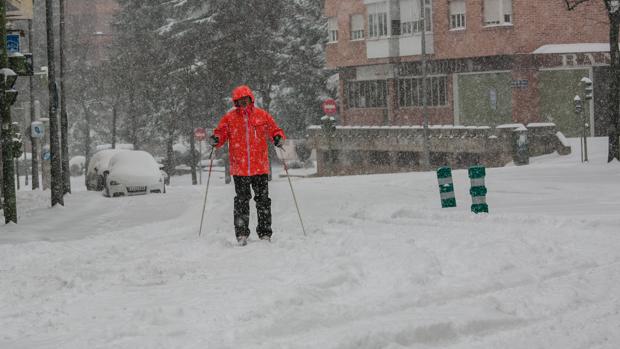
[247, 131]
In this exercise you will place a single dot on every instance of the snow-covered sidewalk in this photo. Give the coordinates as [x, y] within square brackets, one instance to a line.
[383, 266]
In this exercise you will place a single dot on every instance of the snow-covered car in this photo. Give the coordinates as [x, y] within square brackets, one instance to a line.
[133, 173]
[97, 165]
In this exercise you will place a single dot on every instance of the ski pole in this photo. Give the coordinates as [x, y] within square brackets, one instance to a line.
[204, 206]
[293, 192]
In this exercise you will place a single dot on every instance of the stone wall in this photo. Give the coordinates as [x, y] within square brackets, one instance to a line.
[350, 150]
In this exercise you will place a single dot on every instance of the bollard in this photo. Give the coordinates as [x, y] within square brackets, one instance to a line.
[446, 187]
[478, 190]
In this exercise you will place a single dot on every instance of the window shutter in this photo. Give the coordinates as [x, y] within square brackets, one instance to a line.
[491, 12]
[409, 10]
[357, 22]
[457, 6]
[332, 23]
[507, 7]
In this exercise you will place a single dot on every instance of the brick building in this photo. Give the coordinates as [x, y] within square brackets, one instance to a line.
[91, 21]
[490, 62]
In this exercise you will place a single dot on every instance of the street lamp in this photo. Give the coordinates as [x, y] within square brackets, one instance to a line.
[9, 95]
[584, 142]
[9, 77]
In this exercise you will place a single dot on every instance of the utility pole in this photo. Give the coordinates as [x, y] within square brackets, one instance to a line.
[33, 141]
[57, 181]
[426, 158]
[8, 171]
[64, 123]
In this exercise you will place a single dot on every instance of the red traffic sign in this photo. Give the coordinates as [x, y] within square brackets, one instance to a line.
[330, 107]
[200, 134]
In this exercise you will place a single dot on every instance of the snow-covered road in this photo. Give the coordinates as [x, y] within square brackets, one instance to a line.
[383, 266]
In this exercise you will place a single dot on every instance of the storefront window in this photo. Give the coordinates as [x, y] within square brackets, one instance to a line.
[367, 94]
[410, 91]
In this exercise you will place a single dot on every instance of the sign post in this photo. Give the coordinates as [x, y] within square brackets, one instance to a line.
[37, 129]
[200, 135]
[12, 43]
[330, 107]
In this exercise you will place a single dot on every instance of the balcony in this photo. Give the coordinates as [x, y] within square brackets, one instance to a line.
[398, 46]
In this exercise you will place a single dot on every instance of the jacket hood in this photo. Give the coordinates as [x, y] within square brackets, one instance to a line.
[242, 91]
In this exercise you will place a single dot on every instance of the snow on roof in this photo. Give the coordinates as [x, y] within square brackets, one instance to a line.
[573, 48]
[103, 146]
[541, 124]
[416, 127]
[516, 127]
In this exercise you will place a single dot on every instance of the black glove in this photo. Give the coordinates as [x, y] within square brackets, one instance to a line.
[213, 141]
[277, 141]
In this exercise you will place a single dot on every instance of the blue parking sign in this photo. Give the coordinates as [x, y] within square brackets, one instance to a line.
[37, 129]
[12, 43]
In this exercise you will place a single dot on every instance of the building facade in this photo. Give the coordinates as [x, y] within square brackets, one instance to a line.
[91, 22]
[489, 62]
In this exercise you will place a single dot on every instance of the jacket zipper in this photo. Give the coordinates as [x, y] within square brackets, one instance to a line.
[247, 137]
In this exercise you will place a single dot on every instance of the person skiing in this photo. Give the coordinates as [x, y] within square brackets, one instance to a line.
[248, 129]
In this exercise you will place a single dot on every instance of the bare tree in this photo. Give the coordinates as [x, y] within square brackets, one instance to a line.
[613, 13]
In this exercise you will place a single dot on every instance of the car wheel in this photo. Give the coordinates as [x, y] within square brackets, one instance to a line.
[100, 183]
[105, 184]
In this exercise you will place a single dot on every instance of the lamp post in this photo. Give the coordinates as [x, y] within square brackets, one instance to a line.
[579, 113]
[589, 92]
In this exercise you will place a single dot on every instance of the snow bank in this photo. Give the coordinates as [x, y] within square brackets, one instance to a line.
[383, 266]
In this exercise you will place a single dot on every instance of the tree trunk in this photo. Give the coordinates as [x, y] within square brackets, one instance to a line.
[114, 118]
[33, 141]
[18, 184]
[8, 171]
[57, 180]
[170, 152]
[192, 140]
[614, 91]
[192, 154]
[87, 140]
[64, 123]
[133, 131]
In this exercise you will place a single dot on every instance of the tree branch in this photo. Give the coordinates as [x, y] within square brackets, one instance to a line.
[571, 4]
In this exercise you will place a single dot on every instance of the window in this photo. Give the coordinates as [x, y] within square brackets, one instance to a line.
[357, 27]
[367, 94]
[497, 12]
[457, 14]
[410, 20]
[410, 91]
[332, 29]
[377, 20]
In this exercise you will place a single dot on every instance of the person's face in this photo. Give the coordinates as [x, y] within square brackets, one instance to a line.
[243, 102]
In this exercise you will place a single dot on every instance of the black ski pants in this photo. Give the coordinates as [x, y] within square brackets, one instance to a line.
[259, 185]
